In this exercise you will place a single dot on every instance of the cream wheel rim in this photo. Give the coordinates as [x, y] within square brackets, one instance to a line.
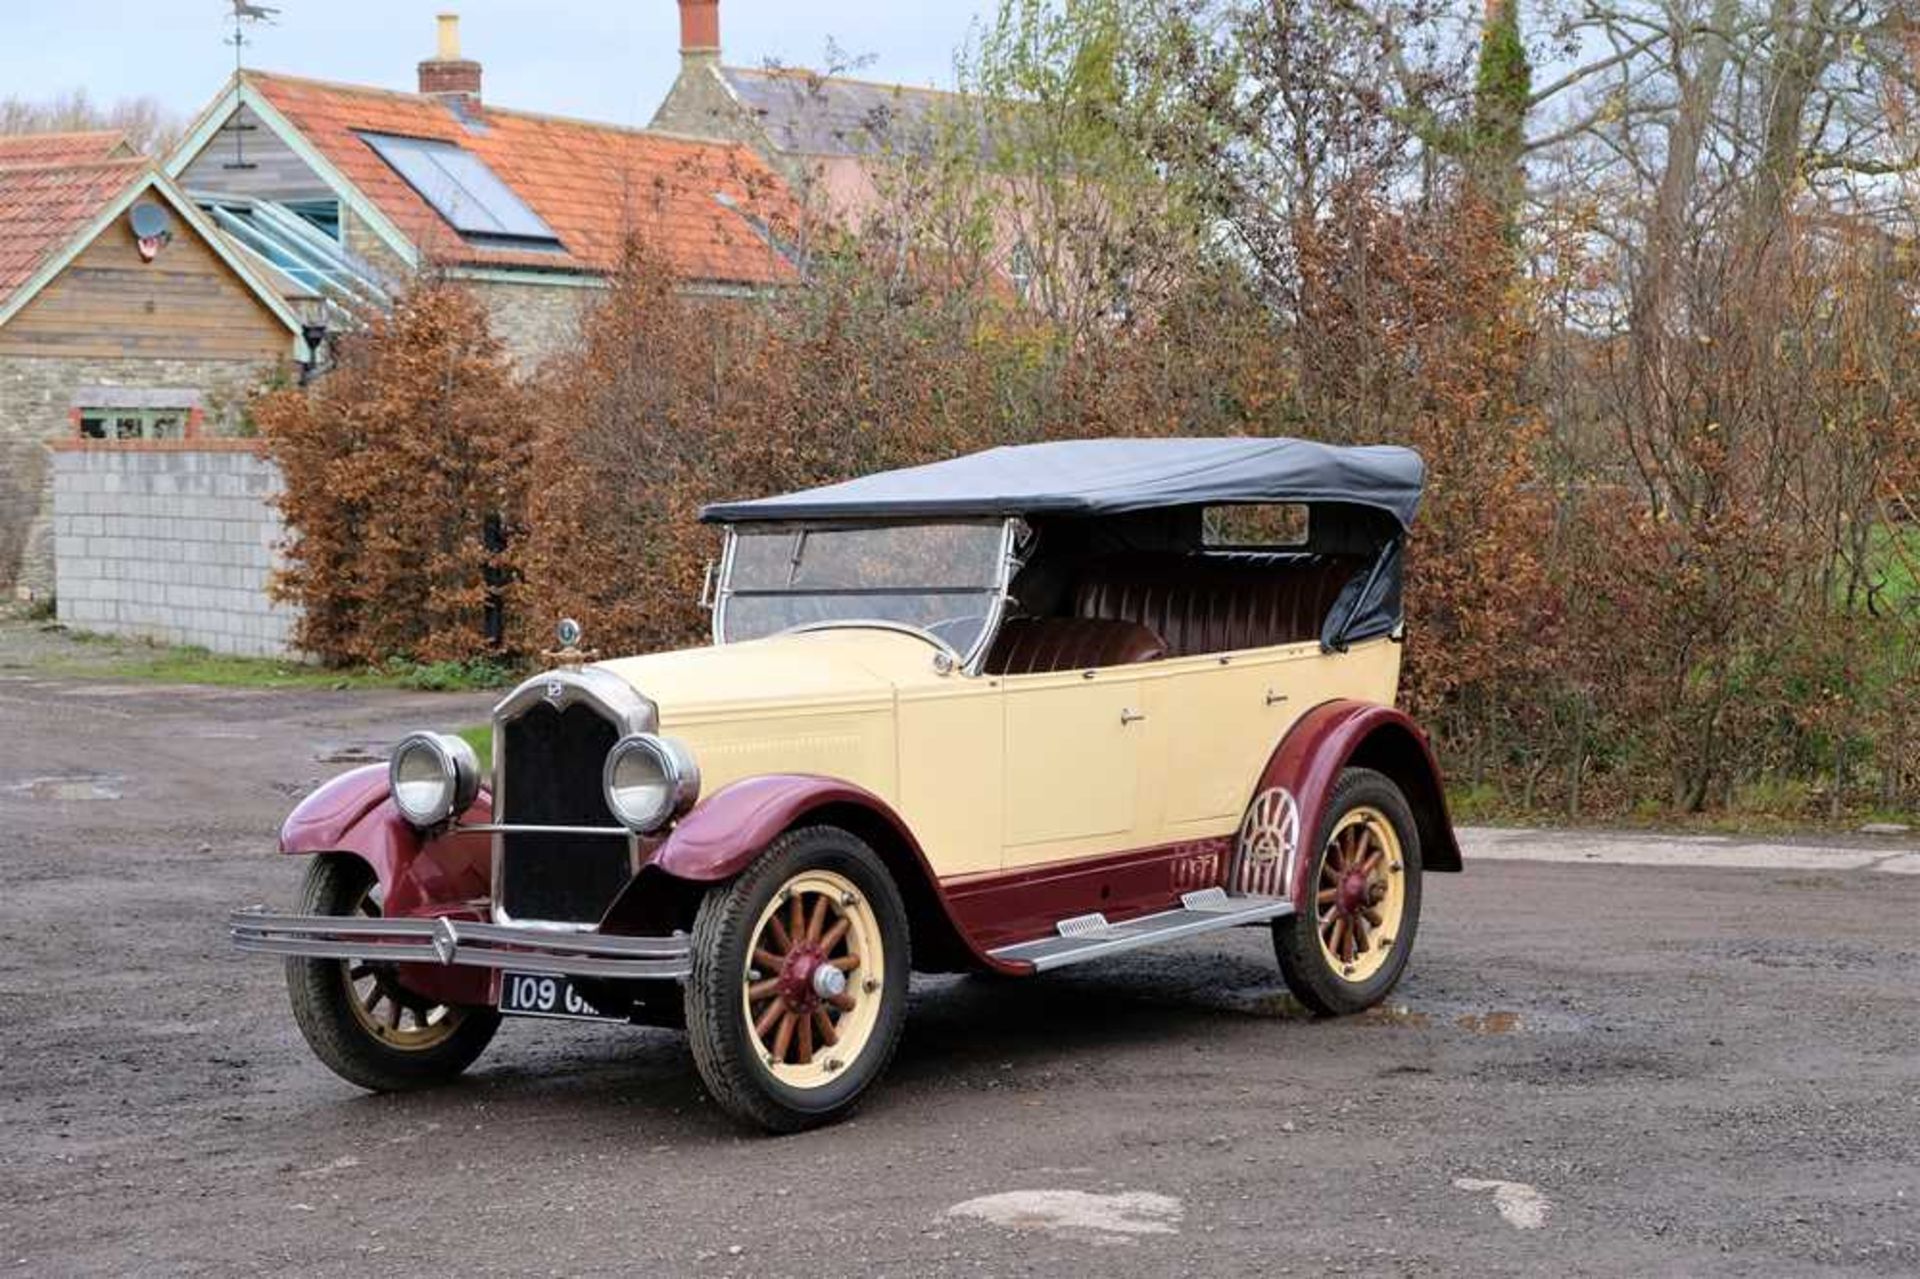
[814, 978]
[387, 1010]
[1360, 894]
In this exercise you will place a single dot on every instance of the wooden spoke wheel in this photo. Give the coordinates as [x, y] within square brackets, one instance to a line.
[359, 1019]
[811, 988]
[1361, 896]
[1348, 948]
[799, 982]
[387, 1010]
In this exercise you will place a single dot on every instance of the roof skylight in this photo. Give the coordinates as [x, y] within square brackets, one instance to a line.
[464, 191]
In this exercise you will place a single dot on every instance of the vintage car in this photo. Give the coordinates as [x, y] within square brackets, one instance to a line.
[1017, 710]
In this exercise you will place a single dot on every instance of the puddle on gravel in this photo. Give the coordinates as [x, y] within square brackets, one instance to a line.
[352, 753]
[69, 787]
[1396, 1015]
[1477, 1021]
[1263, 1001]
[1274, 1002]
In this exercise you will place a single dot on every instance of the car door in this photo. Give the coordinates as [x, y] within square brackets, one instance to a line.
[1223, 714]
[1074, 748]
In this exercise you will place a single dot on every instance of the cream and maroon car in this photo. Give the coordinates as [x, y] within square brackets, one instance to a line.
[1018, 710]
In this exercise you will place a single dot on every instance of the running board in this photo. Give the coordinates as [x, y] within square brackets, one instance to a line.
[1087, 937]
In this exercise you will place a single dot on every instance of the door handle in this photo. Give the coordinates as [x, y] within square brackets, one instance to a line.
[1130, 716]
[1274, 699]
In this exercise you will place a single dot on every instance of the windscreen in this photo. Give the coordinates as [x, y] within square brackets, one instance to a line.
[938, 578]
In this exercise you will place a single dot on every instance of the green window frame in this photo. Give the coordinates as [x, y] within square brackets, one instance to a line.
[323, 215]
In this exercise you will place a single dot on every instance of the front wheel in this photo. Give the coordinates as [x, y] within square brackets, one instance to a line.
[356, 1016]
[1350, 946]
[799, 982]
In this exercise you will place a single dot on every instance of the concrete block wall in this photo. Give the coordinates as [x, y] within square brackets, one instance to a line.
[37, 397]
[171, 541]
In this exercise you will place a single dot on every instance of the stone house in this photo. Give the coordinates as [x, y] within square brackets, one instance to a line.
[824, 133]
[125, 315]
[531, 211]
[835, 139]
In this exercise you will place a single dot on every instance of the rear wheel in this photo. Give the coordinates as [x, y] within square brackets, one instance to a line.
[356, 1016]
[799, 983]
[1350, 946]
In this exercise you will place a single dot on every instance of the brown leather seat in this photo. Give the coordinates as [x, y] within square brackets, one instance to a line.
[1216, 603]
[1029, 645]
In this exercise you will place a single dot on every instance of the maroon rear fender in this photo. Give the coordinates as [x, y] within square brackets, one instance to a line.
[1348, 734]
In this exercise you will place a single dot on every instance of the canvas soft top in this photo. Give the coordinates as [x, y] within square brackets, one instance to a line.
[1109, 476]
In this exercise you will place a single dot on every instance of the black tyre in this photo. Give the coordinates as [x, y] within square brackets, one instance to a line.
[356, 1016]
[799, 984]
[1352, 943]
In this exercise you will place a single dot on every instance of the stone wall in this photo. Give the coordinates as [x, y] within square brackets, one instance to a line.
[364, 243]
[37, 397]
[535, 316]
[169, 541]
[699, 106]
[536, 321]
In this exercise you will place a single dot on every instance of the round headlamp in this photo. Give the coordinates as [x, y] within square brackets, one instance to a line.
[434, 778]
[650, 781]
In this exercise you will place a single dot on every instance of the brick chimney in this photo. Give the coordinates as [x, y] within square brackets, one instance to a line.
[700, 30]
[446, 74]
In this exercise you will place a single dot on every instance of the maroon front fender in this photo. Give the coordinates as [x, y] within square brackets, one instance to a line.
[354, 813]
[1349, 734]
[727, 831]
[445, 875]
[724, 833]
[321, 820]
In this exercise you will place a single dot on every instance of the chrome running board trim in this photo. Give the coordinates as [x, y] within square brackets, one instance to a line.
[1085, 937]
[460, 942]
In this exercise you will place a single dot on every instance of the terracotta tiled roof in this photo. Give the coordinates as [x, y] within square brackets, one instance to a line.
[592, 184]
[63, 148]
[42, 208]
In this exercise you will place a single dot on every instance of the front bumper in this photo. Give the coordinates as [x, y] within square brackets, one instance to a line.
[462, 943]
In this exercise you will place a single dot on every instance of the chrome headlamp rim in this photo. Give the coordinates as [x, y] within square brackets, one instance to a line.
[679, 780]
[458, 770]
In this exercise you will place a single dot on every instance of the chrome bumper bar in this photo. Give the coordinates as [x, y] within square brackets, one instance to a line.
[461, 942]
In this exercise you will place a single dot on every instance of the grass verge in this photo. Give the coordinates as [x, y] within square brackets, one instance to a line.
[480, 737]
[88, 656]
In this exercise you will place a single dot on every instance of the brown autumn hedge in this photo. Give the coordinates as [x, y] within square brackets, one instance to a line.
[394, 465]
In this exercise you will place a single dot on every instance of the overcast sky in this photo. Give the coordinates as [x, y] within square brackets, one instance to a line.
[608, 60]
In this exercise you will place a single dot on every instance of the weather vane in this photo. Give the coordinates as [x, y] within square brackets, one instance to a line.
[243, 16]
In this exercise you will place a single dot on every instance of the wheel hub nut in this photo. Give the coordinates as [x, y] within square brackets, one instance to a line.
[829, 981]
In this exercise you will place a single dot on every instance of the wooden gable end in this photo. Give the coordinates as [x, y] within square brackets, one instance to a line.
[108, 304]
[246, 158]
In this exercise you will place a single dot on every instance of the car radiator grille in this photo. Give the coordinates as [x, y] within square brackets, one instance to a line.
[551, 775]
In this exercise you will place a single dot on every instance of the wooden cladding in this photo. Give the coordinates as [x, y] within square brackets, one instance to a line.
[247, 158]
[108, 304]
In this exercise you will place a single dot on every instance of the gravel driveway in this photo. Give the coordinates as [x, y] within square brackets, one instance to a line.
[1591, 1068]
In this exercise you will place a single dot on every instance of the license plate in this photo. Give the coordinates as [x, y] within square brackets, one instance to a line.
[538, 995]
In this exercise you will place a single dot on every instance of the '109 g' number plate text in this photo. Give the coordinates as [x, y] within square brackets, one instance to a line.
[533, 995]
